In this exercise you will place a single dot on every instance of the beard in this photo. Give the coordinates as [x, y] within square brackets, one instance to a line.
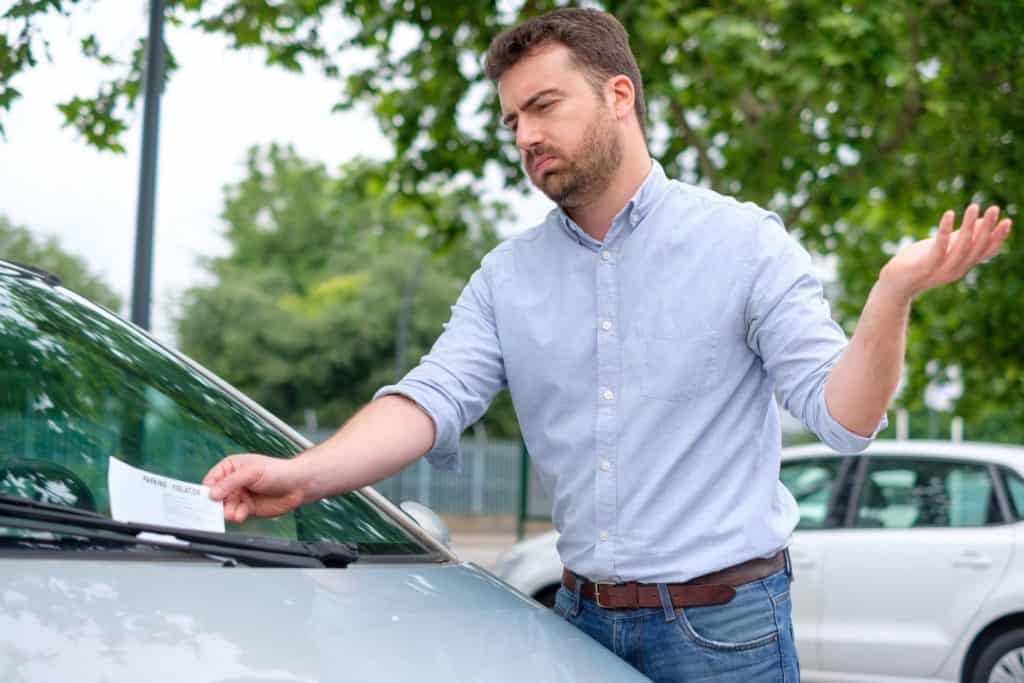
[587, 173]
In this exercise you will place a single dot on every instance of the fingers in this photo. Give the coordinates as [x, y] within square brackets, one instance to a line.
[999, 235]
[983, 235]
[941, 245]
[237, 507]
[979, 238]
[964, 240]
[244, 474]
[219, 471]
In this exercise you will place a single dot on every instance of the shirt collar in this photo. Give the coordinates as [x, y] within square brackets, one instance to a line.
[632, 214]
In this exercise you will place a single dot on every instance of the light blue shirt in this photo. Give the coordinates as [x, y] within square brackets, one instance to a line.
[643, 370]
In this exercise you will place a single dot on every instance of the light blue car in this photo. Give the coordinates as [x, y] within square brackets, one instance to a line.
[350, 588]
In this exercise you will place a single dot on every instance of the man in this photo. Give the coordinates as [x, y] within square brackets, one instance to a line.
[643, 329]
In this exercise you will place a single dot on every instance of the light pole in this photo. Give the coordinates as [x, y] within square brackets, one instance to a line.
[152, 79]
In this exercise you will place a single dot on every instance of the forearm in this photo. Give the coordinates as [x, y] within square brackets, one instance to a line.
[862, 382]
[379, 440]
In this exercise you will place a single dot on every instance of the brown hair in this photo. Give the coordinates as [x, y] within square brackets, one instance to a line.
[598, 43]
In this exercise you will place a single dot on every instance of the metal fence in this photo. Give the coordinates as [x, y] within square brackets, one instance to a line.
[490, 482]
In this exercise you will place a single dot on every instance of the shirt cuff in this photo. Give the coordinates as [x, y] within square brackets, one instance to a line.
[445, 453]
[842, 439]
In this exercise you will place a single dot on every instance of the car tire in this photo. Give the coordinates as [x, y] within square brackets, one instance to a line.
[1002, 660]
[546, 596]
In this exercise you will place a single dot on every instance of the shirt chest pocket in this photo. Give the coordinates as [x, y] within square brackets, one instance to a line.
[679, 362]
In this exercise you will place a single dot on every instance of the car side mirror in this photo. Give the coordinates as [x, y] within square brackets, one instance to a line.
[429, 520]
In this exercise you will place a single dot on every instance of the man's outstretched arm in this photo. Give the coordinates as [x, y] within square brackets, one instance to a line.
[863, 380]
[383, 437]
[423, 414]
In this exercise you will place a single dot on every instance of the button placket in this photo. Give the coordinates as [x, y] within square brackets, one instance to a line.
[608, 390]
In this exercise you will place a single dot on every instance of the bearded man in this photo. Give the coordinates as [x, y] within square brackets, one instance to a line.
[643, 329]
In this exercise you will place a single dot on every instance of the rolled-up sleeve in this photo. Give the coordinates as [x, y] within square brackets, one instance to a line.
[790, 328]
[463, 372]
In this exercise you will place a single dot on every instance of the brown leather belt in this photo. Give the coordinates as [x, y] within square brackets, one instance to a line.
[711, 589]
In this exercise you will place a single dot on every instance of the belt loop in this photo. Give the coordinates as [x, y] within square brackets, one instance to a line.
[666, 602]
[789, 565]
[575, 610]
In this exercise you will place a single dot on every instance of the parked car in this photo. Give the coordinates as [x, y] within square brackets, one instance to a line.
[349, 588]
[908, 562]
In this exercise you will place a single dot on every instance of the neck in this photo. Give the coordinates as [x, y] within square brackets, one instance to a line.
[595, 217]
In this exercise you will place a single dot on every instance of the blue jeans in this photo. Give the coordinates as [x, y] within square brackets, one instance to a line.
[746, 640]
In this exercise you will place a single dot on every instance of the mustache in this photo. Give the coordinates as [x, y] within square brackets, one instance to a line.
[540, 151]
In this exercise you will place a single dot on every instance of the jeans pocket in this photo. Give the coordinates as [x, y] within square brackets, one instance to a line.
[563, 602]
[744, 623]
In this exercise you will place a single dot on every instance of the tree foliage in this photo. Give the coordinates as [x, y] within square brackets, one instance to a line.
[17, 244]
[859, 122]
[306, 311]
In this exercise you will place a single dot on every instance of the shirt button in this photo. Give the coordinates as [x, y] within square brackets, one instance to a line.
[606, 256]
[608, 394]
[604, 536]
[606, 325]
[605, 465]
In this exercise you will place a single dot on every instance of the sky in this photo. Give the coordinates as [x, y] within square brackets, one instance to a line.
[218, 104]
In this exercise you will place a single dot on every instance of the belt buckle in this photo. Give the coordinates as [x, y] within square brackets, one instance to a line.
[597, 594]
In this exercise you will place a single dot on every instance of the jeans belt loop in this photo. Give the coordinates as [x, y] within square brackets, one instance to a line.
[576, 604]
[666, 602]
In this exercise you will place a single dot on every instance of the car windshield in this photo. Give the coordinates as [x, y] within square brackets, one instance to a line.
[78, 386]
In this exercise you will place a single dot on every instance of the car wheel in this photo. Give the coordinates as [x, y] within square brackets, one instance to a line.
[1002, 661]
[546, 596]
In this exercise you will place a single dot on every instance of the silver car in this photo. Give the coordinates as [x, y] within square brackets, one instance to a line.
[350, 588]
[908, 562]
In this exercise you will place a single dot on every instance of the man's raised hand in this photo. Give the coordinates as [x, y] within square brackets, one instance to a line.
[948, 255]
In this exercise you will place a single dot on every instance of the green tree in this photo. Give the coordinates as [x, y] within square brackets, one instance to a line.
[17, 244]
[304, 314]
[859, 122]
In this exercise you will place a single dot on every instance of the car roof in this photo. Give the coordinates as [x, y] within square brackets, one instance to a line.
[1004, 454]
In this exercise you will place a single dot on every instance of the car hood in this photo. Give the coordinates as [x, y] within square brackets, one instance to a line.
[92, 620]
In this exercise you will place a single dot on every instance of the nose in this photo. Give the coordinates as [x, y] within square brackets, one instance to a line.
[527, 134]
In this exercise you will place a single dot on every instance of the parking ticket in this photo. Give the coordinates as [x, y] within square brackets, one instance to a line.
[140, 496]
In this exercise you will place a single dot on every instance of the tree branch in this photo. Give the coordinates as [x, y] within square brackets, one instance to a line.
[707, 167]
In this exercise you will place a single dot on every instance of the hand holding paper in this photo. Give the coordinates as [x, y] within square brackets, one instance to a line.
[140, 496]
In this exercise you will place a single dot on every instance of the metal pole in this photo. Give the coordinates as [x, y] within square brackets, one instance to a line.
[524, 489]
[405, 316]
[152, 79]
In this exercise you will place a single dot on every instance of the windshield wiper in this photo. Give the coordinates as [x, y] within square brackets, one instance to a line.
[251, 550]
[53, 507]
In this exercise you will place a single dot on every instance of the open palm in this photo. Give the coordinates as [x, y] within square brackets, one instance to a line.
[948, 255]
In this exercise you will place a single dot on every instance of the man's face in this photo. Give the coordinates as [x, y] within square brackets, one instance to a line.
[565, 131]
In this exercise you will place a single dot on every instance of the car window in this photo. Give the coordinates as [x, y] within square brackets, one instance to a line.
[811, 481]
[904, 493]
[78, 386]
[1015, 487]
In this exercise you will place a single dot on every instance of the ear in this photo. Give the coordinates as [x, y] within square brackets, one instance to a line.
[621, 95]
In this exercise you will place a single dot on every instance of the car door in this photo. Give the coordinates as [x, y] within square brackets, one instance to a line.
[816, 483]
[926, 542]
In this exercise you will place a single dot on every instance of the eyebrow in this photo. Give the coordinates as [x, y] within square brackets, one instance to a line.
[508, 118]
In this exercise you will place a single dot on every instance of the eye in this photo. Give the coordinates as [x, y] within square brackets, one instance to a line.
[545, 106]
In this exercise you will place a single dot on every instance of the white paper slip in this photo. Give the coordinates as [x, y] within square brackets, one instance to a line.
[140, 496]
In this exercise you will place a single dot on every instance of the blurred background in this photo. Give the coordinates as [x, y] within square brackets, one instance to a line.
[329, 174]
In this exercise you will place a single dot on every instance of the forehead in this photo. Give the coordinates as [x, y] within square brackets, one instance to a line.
[549, 67]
